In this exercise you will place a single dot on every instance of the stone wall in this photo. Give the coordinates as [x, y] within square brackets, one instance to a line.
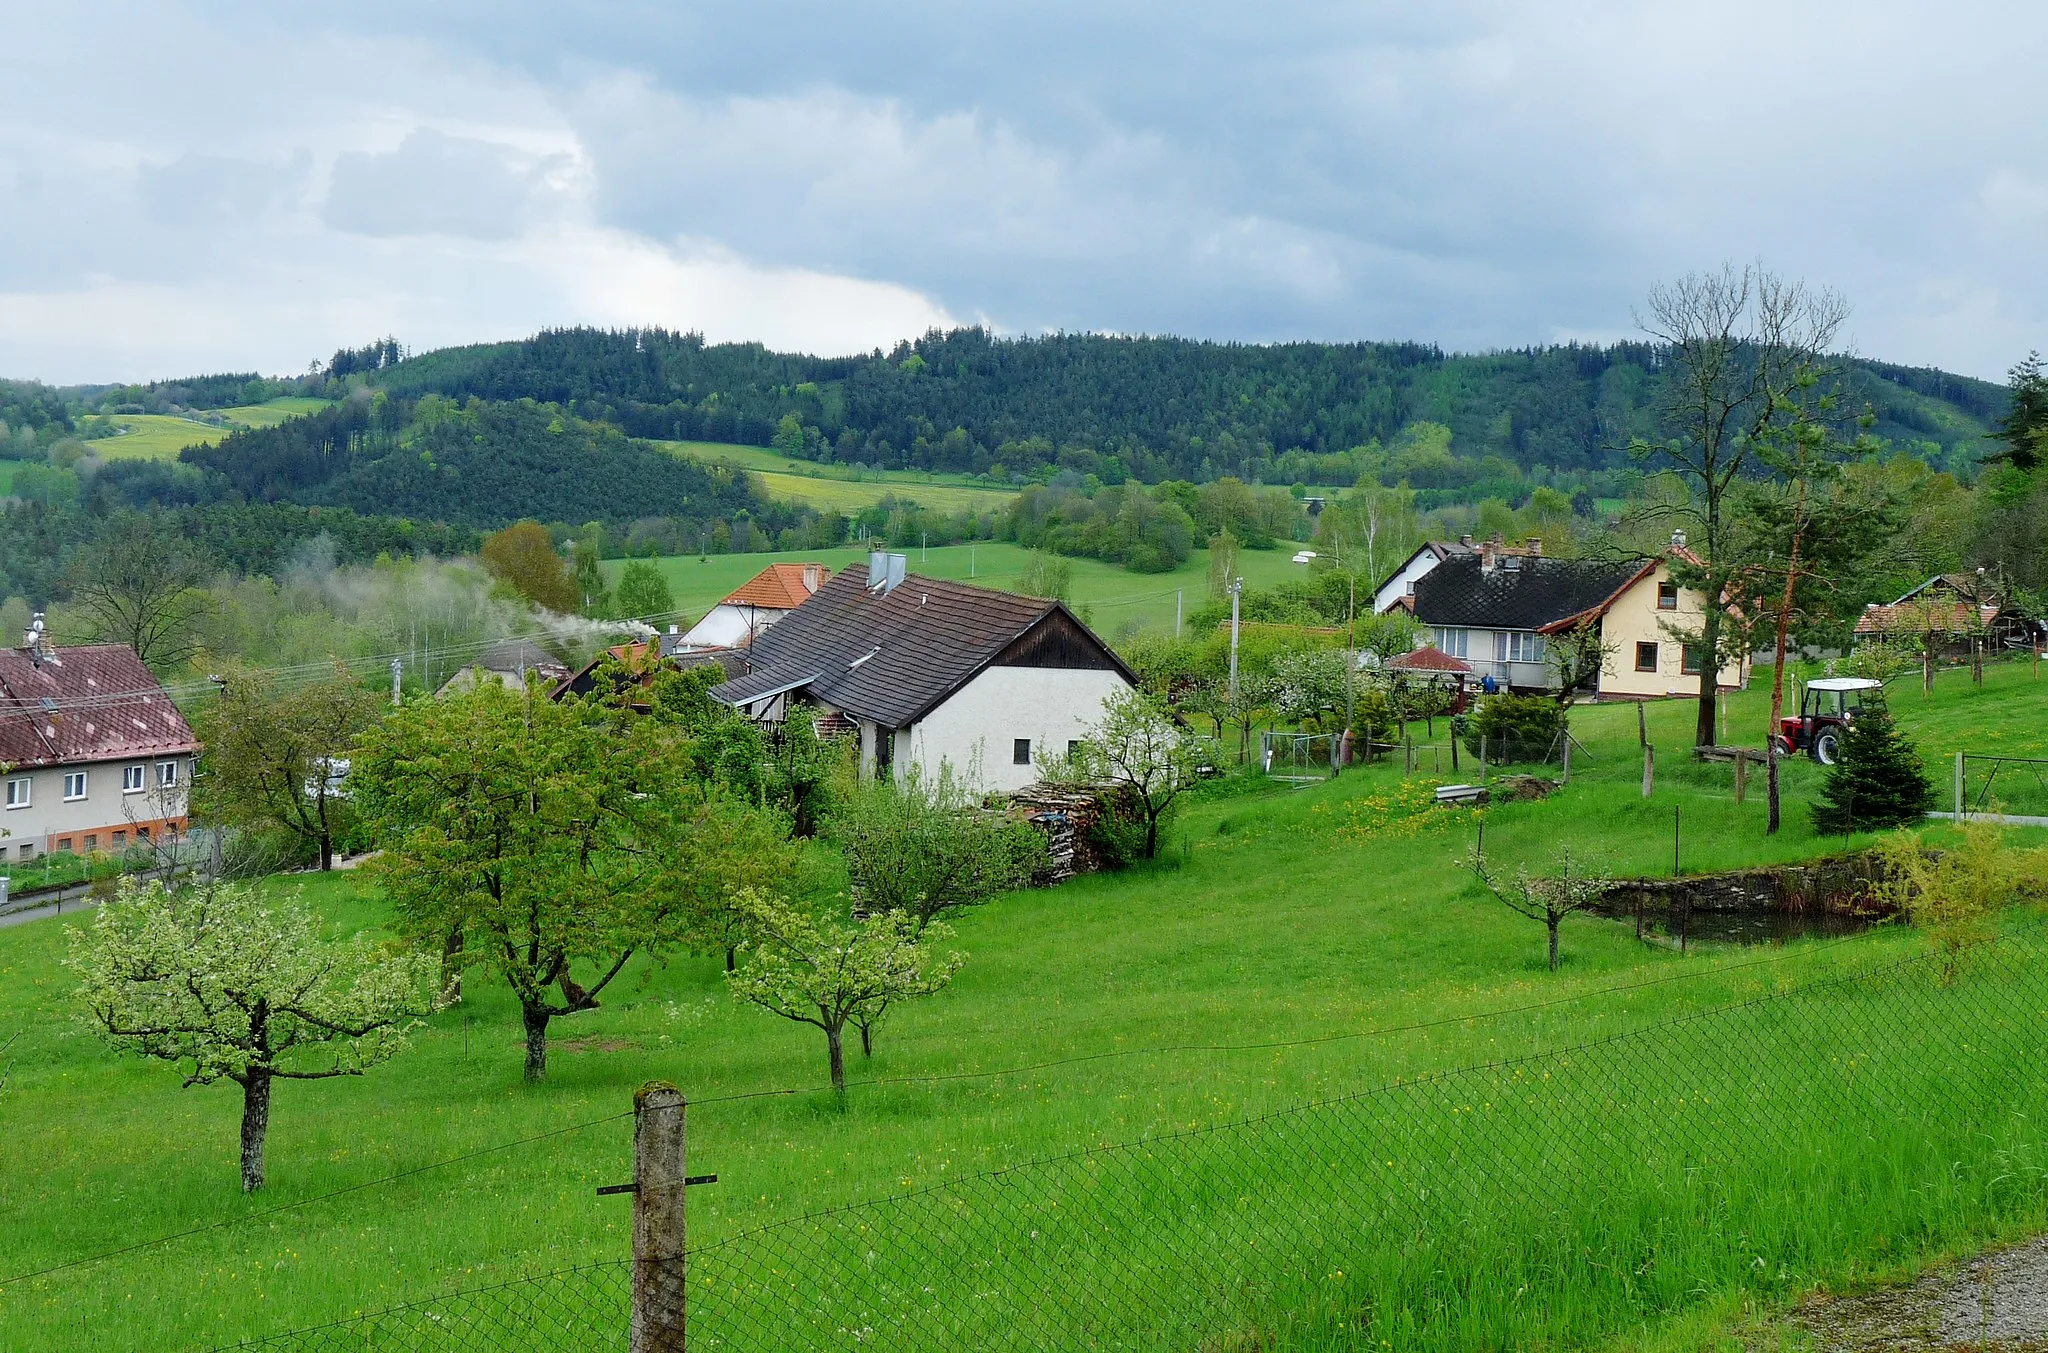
[1837, 885]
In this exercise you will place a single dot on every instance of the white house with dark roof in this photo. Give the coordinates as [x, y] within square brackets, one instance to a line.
[933, 672]
[93, 754]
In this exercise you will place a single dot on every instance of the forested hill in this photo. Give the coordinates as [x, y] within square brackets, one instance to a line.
[1165, 407]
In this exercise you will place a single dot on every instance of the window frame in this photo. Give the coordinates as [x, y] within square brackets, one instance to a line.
[84, 786]
[1667, 596]
[1651, 646]
[139, 775]
[1689, 660]
[1020, 751]
[166, 775]
[26, 783]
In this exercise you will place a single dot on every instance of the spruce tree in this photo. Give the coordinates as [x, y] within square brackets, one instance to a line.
[1879, 781]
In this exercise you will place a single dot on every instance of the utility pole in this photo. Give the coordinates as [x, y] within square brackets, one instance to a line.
[1176, 612]
[970, 560]
[1236, 591]
[397, 673]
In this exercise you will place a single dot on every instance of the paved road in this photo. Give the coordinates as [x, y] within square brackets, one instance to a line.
[74, 898]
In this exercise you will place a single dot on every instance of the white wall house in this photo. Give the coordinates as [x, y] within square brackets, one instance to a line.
[936, 673]
[1400, 587]
[93, 755]
[742, 617]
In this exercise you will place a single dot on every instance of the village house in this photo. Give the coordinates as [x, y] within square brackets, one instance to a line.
[93, 754]
[509, 662]
[1950, 613]
[1398, 591]
[935, 673]
[764, 599]
[1497, 611]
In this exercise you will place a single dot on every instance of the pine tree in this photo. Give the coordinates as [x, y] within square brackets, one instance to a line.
[1879, 782]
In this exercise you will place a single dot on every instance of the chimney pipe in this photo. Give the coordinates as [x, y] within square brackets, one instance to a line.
[1535, 547]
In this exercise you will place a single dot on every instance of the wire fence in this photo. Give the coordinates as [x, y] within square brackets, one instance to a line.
[1541, 1199]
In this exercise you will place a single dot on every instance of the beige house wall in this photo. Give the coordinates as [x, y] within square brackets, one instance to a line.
[1634, 618]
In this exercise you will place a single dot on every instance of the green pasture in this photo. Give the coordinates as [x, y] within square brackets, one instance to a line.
[839, 488]
[156, 436]
[1116, 601]
[1342, 909]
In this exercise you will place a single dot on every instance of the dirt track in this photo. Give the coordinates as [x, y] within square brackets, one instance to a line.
[1996, 1301]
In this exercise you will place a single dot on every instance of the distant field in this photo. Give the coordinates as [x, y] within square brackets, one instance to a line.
[837, 488]
[155, 436]
[1112, 599]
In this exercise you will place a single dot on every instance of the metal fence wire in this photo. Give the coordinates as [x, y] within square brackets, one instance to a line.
[1385, 1218]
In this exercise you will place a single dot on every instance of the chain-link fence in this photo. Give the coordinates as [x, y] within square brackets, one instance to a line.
[1548, 1198]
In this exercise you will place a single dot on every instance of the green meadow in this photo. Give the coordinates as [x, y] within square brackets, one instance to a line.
[840, 488]
[1116, 601]
[1109, 1009]
[155, 436]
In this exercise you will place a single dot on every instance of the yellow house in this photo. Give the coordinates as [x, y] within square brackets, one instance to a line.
[1498, 611]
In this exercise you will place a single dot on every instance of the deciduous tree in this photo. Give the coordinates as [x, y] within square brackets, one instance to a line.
[139, 583]
[1136, 747]
[1548, 898]
[924, 847]
[233, 985]
[523, 557]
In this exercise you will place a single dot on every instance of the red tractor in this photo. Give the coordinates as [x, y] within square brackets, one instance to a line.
[1831, 704]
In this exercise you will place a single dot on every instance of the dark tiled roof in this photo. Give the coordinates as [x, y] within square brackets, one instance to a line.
[1540, 592]
[94, 703]
[889, 658]
[521, 655]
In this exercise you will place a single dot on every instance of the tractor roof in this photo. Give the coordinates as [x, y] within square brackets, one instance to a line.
[1843, 684]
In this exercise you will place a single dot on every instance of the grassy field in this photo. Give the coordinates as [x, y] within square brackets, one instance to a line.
[839, 488]
[153, 436]
[1111, 598]
[1276, 916]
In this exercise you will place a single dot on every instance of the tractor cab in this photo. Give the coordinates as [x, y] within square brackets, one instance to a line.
[1829, 706]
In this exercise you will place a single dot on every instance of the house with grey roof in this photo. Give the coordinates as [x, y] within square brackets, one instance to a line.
[934, 673]
[93, 755]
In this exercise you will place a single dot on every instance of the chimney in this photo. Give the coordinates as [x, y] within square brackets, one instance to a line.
[1466, 541]
[1535, 547]
[1489, 556]
[32, 640]
[811, 577]
[675, 629]
[885, 571]
[1678, 539]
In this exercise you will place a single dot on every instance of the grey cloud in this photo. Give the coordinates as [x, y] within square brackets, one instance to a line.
[436, 184]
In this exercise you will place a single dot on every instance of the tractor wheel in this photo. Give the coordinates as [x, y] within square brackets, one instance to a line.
[1827, 746]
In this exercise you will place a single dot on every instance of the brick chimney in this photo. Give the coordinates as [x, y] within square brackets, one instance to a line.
[1535, 547]
[1489, 555]
[1466, 541]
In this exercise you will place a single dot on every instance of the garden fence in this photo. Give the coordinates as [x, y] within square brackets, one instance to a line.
[1728, 1145]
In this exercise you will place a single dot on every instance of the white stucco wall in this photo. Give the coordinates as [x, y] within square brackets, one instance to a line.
[726, 626]
[978, 727]
[104, 810]
[1635, 617]
[1403, 582]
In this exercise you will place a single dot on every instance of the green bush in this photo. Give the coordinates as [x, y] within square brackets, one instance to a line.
[1515, 727]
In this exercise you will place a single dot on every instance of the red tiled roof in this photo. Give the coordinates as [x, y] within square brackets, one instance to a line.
[92, 703]
[1923, 618]
[781, 587]
[1429, 659]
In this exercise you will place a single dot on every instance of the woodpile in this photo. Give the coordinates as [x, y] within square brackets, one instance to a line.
[1066, 814]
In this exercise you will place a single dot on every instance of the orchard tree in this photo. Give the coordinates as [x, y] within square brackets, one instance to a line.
[140, 583]
[560, 838]
[1136, 747]
[923, 847]
[231, 985]
[1548, 898]
[830, 973]
[273, 755]
[643, 591]
[591, 592]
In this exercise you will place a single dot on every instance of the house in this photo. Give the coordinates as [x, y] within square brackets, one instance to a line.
[93, 754]
[934, 673]
[1497, 611]
[1398, 591]
[1950, 610]
[509, 662]
[645, 659]
[766, 598]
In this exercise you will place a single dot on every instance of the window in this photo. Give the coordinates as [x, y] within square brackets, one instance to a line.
[17, 792]
[92, 843]
[166, 775]
[142, 833]
[28, 851]
[1453, 643]
[1646, 657]
[133, 779]
[1073, 749]
[64, 844]
[1667, 596]
[1020, 752]
[1518, 646]
[120, 839]
[74, 786]
[1689, 660]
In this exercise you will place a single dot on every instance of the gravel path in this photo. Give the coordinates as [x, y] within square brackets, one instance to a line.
[1997, 1301]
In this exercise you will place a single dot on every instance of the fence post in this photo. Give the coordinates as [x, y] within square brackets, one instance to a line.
[1741, 773]
[1959, 786]
[1649, 768]
[1482, 758]
[659, 1255]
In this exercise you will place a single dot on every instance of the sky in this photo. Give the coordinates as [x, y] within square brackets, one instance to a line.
[188, 188]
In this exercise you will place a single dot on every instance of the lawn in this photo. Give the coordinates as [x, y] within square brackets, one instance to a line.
[1114, 600]
[839, 488]
[1276, 916]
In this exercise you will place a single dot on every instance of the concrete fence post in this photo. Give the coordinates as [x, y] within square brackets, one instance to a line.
[659, 1254]
[1959, 786]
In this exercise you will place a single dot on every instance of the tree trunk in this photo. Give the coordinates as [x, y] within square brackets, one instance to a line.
[1710, 674]
[1552, 921]
[1778, 668]
[867, 1043]
[536, 1043]
[838, 1059]
[326, 852]
[451, 964]
[255, 1127]
[732, 957]
[1151, 836]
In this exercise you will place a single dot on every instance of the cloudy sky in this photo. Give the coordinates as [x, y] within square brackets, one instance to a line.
[195, 187]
